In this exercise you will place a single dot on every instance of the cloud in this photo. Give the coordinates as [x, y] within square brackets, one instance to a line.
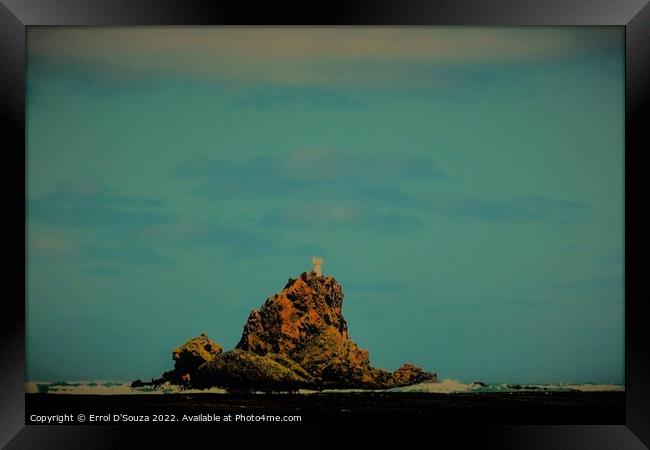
[311, 174]
[231, 241]
[47, 245]
[105, 271]
[269, 97]
[333, 190]
[317, 189]
[302, 56]
[65, 225]
[52, 246]
[336, 217]
[593, 285]
[93, 205]
[376, 287]
[612, 258]
[512, 209]
[90, 223]
[122, 251]
[524, 303]
[126, 256]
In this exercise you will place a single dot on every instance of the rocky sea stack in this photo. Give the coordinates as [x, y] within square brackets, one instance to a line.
[297, 339]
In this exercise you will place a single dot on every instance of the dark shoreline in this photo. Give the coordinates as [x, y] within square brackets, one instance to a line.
[484, 408]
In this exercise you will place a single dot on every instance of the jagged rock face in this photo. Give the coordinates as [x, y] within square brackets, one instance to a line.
[409, 374]
[192, 354]
[304, 322]
[306, 306]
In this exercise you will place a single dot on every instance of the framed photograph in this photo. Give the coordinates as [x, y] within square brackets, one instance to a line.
[409, 214]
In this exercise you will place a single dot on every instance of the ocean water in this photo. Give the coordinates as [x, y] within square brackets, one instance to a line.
[450, 386]
[447, 386]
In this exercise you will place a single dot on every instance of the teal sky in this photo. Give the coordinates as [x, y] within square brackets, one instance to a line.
[464, 185]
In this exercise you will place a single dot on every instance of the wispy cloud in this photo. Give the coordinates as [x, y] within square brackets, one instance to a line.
[592, 285]
[93, 205]
[310, 174]
[337, 217]
[331, 189]
[126, 256]
[106, 271]
[511, 209]
[231, 241]
[483, 305]
[613, 259]
[376, 287]
[47, 245]
[269, 97]
[317, 189]
[91, 223]
[66, 225]
[324, 56]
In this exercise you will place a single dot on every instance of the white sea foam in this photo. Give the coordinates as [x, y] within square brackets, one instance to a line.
[598, 387]
[450, 386]
[447, 386]
[109, 388]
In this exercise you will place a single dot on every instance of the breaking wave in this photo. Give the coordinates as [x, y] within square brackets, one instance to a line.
[108, 388]
[447, 386]
[450, 386]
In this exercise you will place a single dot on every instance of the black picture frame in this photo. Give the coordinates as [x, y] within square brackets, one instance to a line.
[16, 15]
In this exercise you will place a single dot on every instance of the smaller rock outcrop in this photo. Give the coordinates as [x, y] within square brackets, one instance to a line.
[409, 374]
[190, 356]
